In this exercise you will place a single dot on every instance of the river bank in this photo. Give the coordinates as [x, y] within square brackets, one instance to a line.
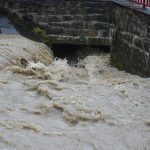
[48, 104]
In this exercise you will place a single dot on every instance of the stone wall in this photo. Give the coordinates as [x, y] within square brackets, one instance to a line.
[131, 42]
[67, 21]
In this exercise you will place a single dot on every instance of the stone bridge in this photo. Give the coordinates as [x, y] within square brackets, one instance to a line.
[120, 24]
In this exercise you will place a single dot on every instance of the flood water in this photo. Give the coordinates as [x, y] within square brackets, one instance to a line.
[6, 27]
[48, 104]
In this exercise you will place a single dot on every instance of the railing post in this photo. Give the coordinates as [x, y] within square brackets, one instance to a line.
[144, 4]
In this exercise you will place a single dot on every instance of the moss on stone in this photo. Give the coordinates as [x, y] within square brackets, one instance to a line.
[41, 34]
[38, 31]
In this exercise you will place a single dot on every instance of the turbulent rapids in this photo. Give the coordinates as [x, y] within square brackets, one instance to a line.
[48, 104]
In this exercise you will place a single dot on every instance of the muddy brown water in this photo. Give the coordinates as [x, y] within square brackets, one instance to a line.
[47, 104]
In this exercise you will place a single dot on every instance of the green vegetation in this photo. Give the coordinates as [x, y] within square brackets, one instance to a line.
[30, 30]
[38, 31]
[41, 34]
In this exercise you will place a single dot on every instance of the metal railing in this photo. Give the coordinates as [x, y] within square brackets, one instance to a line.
[145, 3]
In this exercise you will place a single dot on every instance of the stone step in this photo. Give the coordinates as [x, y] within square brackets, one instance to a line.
[82, 25]
[80, 40]
[77, 32]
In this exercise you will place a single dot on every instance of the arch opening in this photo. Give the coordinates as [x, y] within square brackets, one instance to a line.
[73, 52]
